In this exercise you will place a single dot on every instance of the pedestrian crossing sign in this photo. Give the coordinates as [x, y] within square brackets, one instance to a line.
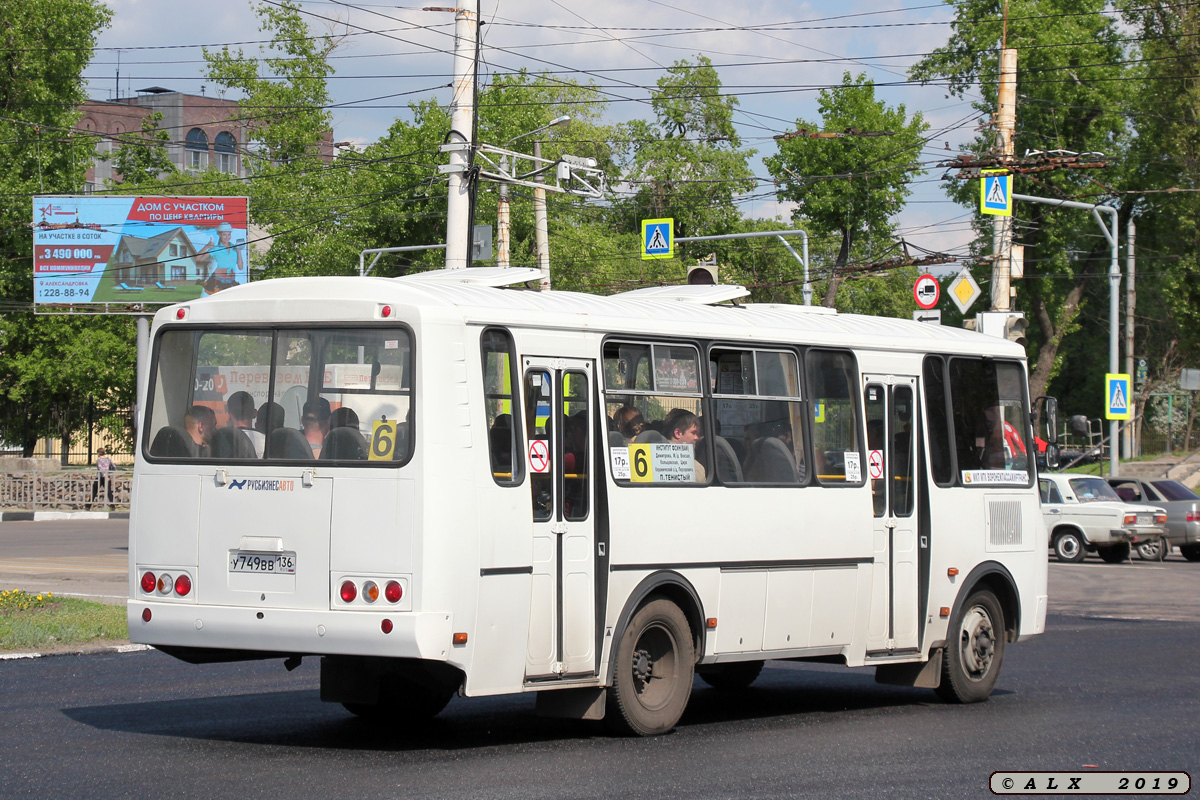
[1117, 403]
[658, 238]
[995, 193]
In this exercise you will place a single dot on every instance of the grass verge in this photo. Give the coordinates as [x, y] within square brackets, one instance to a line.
[43, 622]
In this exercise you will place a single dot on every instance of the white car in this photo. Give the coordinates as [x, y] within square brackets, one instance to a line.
[1083, 513]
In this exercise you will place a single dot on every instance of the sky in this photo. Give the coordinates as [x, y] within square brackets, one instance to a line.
[774, 54]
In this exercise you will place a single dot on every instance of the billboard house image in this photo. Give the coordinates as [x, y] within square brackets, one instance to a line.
[137, 249]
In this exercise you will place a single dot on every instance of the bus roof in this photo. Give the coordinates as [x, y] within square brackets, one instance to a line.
[680, 311]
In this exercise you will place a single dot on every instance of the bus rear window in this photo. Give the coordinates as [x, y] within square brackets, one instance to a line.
[336, 395]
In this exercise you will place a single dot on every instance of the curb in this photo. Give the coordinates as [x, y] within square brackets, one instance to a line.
[120, 648]
[50, 516]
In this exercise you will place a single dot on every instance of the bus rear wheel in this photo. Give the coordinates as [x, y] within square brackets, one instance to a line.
[732, 676]
[652, 681]
[974, 650]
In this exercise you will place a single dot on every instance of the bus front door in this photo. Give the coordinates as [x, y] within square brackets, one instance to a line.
[889, 402]
[559, 419]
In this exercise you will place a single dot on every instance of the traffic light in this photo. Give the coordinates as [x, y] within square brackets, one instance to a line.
[1014, 327]
[702, 275]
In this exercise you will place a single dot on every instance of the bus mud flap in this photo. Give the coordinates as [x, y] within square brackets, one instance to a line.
[923, 675]
[587, 703]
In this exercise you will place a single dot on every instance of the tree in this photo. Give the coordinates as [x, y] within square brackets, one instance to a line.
[47, 363]
[142, 158]
[687, 164]
[1071, 87]
[851, 186]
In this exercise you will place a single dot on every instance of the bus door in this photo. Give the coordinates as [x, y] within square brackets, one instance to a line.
[559, 418]
[890, 402]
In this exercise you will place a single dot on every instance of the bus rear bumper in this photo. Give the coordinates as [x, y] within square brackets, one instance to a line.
[424, 635]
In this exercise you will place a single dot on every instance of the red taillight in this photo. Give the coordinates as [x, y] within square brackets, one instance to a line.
[386, 626]
[145, 615]
[393, 591]
[183, 585]
[180, 314]
[1131, 519]
[386, 312]
[1161, 519]
[349, 591]
[1193, 516]
[149, 581]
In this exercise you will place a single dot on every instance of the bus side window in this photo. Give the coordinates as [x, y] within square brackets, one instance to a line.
[936, 403]
[832, 376]
[504, 430]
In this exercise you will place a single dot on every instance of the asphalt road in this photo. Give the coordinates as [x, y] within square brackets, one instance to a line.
[1112, 683]
[1121, 695]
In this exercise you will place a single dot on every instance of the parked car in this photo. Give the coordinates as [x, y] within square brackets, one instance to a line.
[1183, 513]
[1083, 513]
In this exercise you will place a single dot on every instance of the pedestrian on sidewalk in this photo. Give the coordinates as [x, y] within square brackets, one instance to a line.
[103, 482]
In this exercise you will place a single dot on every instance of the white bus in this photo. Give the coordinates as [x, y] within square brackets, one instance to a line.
[445, 483]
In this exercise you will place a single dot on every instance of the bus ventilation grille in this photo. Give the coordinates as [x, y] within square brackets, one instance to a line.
[1004, 529]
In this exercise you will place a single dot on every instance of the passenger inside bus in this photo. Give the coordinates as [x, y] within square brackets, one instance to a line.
[240, 407]
[315, 420]
[683, 427]
[630, 422]
[200, 422]
[270, 417]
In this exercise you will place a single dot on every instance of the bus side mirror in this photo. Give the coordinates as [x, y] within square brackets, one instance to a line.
[1052, 456]
[1046, 412]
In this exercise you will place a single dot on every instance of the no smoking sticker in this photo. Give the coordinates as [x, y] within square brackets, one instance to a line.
[539, 456]
[875, 464]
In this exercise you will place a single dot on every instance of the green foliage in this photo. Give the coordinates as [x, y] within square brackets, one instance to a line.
[142, 158]
[45, 46]
[852, 186]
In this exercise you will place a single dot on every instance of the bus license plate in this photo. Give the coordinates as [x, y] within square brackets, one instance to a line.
[266, 563]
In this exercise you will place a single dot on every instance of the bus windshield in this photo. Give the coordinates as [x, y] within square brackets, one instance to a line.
[333, 394]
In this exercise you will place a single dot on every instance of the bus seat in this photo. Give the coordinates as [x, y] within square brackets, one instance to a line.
[344, 444]
[729, 468]
[172, 442]
[232, 443]
[772, 462]
[289, 443]
[649, 436]
[615, 439]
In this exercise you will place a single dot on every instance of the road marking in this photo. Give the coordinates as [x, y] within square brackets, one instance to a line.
[82, 565]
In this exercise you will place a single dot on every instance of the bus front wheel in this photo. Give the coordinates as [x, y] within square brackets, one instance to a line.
[974, 650]
[652, 680]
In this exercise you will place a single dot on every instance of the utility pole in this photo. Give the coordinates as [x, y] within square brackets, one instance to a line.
[462, 125]
[540, 225]
[503, 223]
[1130, 302]
[1006, 123]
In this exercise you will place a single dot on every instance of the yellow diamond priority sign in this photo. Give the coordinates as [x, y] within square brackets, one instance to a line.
[964, 290]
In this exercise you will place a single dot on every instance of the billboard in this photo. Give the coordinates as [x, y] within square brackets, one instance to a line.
[95, 249]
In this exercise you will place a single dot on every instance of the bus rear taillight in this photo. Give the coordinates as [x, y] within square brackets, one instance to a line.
[149, 581]
[165, 584]
[393, 591]
[370, 591]
[349, 591]
[183, 585]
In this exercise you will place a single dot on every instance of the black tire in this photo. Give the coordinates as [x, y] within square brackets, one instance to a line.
[733, 676]
[1114, 553]
[401, 700]
[974, 650]
[1153, 550]
[1190, 551]
[1069, 547]
[652, 680]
